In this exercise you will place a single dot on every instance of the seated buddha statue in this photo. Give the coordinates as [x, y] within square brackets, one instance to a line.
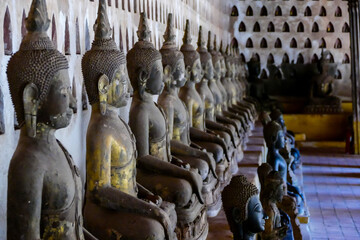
[163, 174]
[44, 198]
[116, 206]
[243, 208]
[195, 106]
[178, 120]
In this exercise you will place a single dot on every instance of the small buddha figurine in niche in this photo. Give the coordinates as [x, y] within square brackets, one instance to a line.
[44, 186]
[178, 120]
[116, 207]
[243, 208]
[272, 193]
[200, 135]
[164, 175]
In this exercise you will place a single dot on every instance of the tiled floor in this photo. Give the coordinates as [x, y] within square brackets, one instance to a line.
[332, 188]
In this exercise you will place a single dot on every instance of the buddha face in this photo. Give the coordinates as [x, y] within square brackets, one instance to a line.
[208, 70]
[196, 71]
[256, 217]
[217, 70]
[179, 73]
[280, 141]
[57, 109]
[120, 88]
[154, 84]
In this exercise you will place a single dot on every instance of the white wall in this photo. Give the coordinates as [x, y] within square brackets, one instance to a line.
[212, 14]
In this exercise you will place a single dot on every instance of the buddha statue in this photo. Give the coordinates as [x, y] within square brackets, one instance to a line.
[195, 106]
[116, 206]
[178, 121]
[273, 191]
[44, 198]
[162, 174]
[243, 208]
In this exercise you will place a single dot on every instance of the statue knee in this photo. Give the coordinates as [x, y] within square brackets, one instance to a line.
[182, 193]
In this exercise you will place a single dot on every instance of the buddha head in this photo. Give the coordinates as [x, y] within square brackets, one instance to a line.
[242, 207]
[205, 57]
[277, 116]
[265, 118]
[215, 57]
[274, 135]
[275, 187]
[38, 78]
[144, 62]
[191, 57]
[229, 62]
[172, 58]
[263, 171]
[104, 67]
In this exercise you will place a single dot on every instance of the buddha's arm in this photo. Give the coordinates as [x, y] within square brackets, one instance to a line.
[140, 127]
[179, 148]
[169, 112]
[199, 135]
[227, 120]
[156, 165]
[24, 202]
[216, 126]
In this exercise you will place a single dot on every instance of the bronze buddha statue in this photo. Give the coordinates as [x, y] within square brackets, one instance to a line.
[199, 134]
[178, 121]
[44, 186]
[243, 208]
[162, 174]
[273, 190]
[116, 205]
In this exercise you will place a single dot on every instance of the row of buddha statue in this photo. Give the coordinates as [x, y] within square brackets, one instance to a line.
[158, 177]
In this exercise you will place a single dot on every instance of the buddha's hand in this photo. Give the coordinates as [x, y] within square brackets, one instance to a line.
[165, 221]
[282, 231]
[153, 199]
[209, 158]
[180, 163]
[196, 182]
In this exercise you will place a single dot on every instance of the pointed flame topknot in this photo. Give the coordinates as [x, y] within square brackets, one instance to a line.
[38, 20]
[215, 43]
[187, 35]
[144, 30]
[102, 26]
[210, 47]
[221, 47]
[169, 35]
[201, 42]
[227, 50]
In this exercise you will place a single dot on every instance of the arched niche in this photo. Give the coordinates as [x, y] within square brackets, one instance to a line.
[149, 13]
[234, 43]
[123, 4]
[278, 43]
[53, 31]
[271, 27]
[315, 27]
[330, 27]
[300, 27]
[249, 11]
[286, 27]
[338, 43]
[84, 98]
[345, 28]
[256, 27]
[315, 58]
[8, 47]
[330, 58]
[263, 43]
[300, 59]
[156, 10]
[293, 11]
[121, 43]
[78, 45]
[308, 43]
[263, 12]
[23, 25]
[346, 59]
[322, 12]
[87, 36]
[249, 43]
[109, 3]
[73, 88]
[285, 58]
[242, 57]
[256, 57]
[322, 43]
[117, 3]
[234, 11]
[270, 59]
[338, 75]
[307, 12]
[135, 6]
[264, 74]
[242, 27]
[278, 11]
[67, 38]
[293, 43]
[338, 12]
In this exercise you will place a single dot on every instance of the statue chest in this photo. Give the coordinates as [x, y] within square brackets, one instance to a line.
[181, 121]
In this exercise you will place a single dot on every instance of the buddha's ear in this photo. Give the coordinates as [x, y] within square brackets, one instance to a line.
[103, 87]
[143, 77]
[236, 214]
[31, 104]
[187, 72]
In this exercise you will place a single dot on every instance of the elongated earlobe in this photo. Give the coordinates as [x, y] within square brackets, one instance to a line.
[143, 77]
[103, 86]
[31, 104]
